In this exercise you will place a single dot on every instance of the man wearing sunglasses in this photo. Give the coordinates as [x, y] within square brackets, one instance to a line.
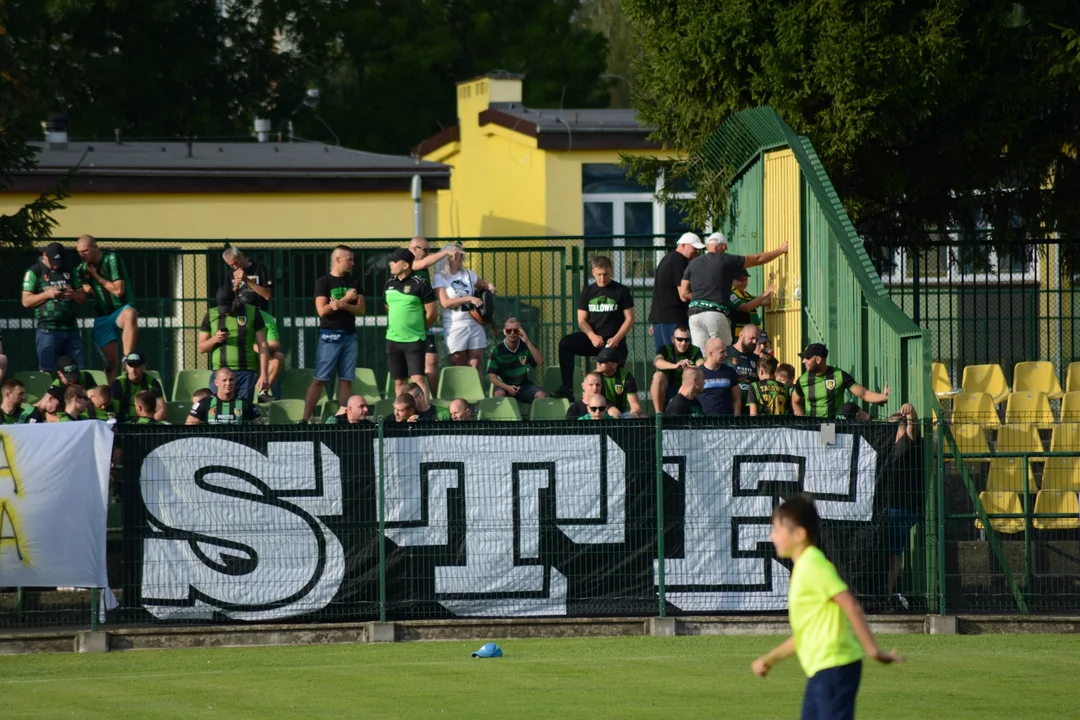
[509, 363]
[670, 362]
[596, 408]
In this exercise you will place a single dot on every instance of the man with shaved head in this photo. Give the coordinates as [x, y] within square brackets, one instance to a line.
[721, 394]
[355, 411]
[115, 321]
[460, 410]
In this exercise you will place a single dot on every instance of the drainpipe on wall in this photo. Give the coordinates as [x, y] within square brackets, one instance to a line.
[418, 207]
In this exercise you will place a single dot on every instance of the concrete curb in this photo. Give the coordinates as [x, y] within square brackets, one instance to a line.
[161, 637]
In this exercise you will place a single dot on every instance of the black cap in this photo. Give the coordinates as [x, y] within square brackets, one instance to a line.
[55, 253]
[742, 274]
[402, 254]
[135, 359]
[849, 410]
[607, 355]
[225, 298]
[68, 368]
[57, 392]
[814, 350]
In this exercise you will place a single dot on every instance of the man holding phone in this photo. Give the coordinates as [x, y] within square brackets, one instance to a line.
[49, 287]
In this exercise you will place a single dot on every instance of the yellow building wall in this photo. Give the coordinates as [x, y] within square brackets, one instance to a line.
[239, 215]
[783, 222]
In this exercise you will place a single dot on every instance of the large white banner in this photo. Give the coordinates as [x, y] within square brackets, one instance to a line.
[54, 494]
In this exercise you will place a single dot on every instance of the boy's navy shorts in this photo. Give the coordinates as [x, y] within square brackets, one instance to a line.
[830, 693]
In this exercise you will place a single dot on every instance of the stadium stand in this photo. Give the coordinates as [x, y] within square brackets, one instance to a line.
[1002, 502]
[977, 407]
[285, 411]
[939, 376]
[461, 381]
[1006, 475]
[176, 411]
[1070, 407]
[549, 409]
[1056, 501]
[364, 384]
[971, 439]
[503, 408]
[1036, 377]
[1030, 407]
[187, 382]
[1072, 377]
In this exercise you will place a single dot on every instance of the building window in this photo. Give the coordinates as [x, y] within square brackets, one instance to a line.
[621, 213]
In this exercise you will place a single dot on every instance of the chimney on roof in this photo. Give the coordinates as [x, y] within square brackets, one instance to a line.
[262, 129]
[56, 132]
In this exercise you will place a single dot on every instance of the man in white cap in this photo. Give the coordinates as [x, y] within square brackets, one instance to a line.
[706, 285]
[668, 308]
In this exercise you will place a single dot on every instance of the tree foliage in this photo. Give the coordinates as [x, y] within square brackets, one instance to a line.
[391, 79]
[928, 115]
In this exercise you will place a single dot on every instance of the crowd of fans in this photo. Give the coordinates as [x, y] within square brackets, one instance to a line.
[711, 357]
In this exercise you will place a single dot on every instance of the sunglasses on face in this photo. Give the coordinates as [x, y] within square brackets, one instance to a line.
[681, 339]
[512, 332]
[600, 408]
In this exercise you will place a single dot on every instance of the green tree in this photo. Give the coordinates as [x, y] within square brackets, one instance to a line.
[390, 81]
[608, 17]
[927, 114]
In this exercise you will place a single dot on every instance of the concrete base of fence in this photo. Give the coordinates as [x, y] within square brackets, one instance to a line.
[160, 637]
[92, 642]
[941, 624]
[379, 632]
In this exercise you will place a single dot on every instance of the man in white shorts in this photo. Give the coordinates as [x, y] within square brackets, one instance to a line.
[456, 287]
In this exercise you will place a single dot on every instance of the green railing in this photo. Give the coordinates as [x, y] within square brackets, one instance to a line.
[646, 517]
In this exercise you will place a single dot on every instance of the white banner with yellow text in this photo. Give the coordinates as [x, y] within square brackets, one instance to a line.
[54, 493]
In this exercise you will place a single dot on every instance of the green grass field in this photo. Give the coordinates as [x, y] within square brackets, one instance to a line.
[1032, 676]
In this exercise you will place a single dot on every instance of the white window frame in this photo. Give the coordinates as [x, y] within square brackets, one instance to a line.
[618, 225]
[900, 277]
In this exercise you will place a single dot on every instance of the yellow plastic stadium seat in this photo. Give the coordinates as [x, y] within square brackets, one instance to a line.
[286, 411]
[499, 409]
[1070, 407]
[1062, 473]
[187, 382]
[1002, 502]
[1065, 438]
[1006, 475]
[1030, 408]
[293, 384]
[1036, 377]
[975, 408]
[985, 379]
[1072, 377]
[939, 376]
[460, 382]
[549, 409]
[970, 439]
[1019, 438]
[364, 383]
[1055, 501]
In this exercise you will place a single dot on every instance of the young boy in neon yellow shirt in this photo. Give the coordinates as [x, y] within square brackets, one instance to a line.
[827, 623]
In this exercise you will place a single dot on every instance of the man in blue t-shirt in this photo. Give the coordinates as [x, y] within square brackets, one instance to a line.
[722, 395]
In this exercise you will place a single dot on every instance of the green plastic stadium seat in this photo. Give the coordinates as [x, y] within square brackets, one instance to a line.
[549, 409]
[329, 409]
[388, 391]
[553, 379]
[293, 384]
[37, 383]
[460, 382]
[155, 375]
[188, 381]
[384, 408]
[364, 383]
[499, 409]
[286, 411]
[99, 377]
[176, 412]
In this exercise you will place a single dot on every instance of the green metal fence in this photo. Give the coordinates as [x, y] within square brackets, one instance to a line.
[643, 517]
[538, 281]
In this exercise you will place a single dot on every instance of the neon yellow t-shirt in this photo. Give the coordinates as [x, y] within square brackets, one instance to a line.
[823, 635]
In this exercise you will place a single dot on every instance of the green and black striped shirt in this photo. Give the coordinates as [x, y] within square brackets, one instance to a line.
[823, 394]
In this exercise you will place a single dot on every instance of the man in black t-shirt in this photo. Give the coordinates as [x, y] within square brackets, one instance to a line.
[605, 315]
[685, 402]
[744, 359]
[668, 309]
[251, 281]
[592, 384]
[337, 302]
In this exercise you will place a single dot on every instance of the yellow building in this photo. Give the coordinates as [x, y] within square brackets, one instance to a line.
[521, 172]
[217, 191]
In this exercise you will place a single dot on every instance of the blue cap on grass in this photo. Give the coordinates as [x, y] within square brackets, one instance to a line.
[490, 650]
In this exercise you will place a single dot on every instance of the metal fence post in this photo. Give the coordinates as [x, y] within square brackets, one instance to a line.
[939, 519]
[660, 580]
[95, 605]
[382, 527]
